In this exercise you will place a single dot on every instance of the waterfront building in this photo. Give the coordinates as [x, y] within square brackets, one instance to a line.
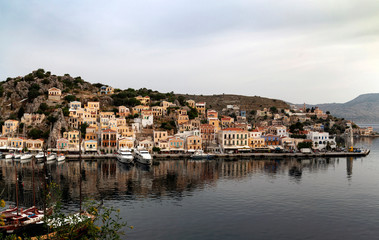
[34, 144]
[54, 94]
[90, 146]
[62, 144]
[176, 144]
[193, 143]
[109, 141]
[208, 133]
[272, 140]
[320, 140]
[233, 139]
[3, 143]
[146, 144]
[16, 143]
[73, 139]
[256, 142]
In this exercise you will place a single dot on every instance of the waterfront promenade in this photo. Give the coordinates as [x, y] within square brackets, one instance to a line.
[231, 156]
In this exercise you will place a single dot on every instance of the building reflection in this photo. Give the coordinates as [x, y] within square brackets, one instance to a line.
[110, 179]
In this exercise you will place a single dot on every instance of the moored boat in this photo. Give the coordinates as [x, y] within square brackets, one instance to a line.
[61, 158]
[51, 157]
[144, 157]
[125, 155]
[200, 155]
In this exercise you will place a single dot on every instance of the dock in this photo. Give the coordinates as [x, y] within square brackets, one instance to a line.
[228, 156]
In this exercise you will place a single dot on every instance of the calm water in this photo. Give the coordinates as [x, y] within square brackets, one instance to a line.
[258, 199]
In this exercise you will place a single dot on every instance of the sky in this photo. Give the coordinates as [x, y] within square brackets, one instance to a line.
[313, 51]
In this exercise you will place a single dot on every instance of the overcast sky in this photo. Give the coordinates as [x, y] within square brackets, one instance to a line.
[312, 51]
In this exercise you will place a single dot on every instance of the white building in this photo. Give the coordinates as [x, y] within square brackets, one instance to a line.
[321, 139]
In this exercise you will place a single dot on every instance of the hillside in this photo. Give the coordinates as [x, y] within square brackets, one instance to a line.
[362, 109]
[248, 103]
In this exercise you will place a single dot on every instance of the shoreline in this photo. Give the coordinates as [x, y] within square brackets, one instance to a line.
[234, 156]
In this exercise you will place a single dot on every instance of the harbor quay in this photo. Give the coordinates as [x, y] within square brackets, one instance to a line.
[226, 156]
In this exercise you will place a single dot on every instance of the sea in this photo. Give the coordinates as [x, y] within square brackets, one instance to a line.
[316, 198]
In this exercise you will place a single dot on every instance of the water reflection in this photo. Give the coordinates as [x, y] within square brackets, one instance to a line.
[108, 179]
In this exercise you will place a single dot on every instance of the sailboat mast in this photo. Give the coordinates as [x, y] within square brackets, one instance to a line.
[15, 171]
[80, 169]
[34, 192]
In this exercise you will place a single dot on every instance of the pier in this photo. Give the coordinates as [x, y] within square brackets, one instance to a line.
[230, 156]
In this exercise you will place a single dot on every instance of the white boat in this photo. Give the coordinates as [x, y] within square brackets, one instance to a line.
[9, 156]
[51, 157]
[61, 158]
[26, 156]
[17, 156]
[125, 155]
[144, 157]
[40, 155]
[199, 154]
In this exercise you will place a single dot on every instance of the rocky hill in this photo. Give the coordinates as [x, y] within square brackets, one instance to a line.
[363, 109]
[247, 103]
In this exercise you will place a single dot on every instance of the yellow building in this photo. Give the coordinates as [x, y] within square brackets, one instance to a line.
[10, 127]
[200, 107]
[144, 100]
[159, 136]
[125, 131]
[139, 108]
[123, 111]
[16, 143]
[257, 142]
[126, 143]
[54, 94]
[73, 139]
[34, 144]
[191, 103]
[158, 111]
[183, 119]
[193, 143]
[90, 146]
[215, 123]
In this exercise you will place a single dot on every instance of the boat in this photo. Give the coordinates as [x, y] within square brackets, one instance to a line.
[144, 157]
[51, 157]
[40, 156]
[125, 155]
[17, 156]
[61, 158]
[9, 156]
[18, 220]
[200, 155]
[26, 156]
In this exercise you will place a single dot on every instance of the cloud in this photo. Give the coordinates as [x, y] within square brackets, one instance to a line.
[300, 51]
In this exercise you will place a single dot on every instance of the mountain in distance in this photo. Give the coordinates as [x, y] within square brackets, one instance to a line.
[362, 109]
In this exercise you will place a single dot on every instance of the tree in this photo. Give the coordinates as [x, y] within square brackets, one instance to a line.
[70, 98]
[33, 92]
[21, 112]
[35, 133]
[83, 128]
[304, 145]
[156, 149]
[40, 73]
[273, 109]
